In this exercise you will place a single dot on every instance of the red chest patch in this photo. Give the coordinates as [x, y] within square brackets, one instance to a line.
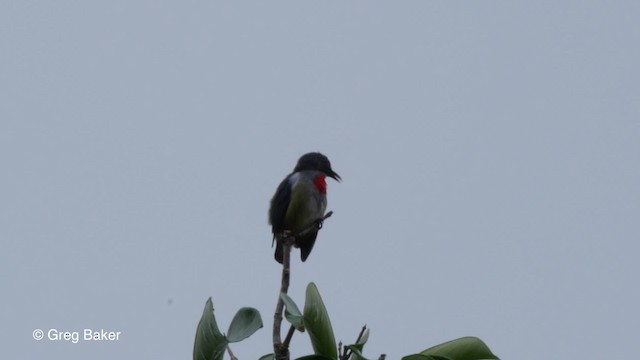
[320, 184]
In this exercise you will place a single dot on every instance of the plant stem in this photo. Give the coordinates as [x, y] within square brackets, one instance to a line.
[281, 350]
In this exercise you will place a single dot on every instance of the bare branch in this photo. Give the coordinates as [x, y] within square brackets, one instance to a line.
[280, 349]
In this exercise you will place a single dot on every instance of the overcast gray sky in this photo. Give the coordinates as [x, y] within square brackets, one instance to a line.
[489, 152]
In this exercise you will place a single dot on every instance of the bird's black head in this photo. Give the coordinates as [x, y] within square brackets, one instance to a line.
[316, 161]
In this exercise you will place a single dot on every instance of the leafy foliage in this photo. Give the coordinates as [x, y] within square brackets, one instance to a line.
[292, 313]
[314, 357]
[356, 349]
[466, 348]
[210, 343]
[316, 321]
[246, 322]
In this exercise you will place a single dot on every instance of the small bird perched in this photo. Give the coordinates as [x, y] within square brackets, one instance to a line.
[300, 200]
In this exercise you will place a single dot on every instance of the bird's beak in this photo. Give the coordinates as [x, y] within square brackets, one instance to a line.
[332, 174]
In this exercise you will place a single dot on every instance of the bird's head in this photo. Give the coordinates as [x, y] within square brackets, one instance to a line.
[316, 161]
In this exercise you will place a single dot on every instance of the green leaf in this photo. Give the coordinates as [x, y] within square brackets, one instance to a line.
[316, 321]
[425, 357]
[246, 321]
[364, 338]
[314, 357]
[210, 343]
[359, 345]
[415, 357]
[466, 348]
[292, 313]
[267, 357]
[356, 352]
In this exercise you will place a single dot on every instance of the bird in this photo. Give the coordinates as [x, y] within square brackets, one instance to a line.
[299, 201]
